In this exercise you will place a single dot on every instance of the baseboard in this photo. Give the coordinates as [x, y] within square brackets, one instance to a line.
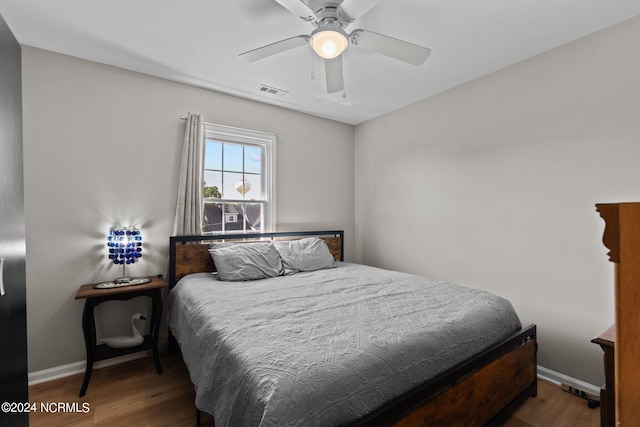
[57, 372]
[557, 378]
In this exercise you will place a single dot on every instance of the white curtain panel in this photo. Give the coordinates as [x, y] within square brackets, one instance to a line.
[189, 207]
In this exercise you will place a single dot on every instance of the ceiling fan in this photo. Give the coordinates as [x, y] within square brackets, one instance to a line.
[329, 39]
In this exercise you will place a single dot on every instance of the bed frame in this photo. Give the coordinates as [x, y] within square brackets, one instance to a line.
[481, 391]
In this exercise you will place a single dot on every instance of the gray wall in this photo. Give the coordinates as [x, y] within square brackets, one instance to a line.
[102, 145]
[493, 185]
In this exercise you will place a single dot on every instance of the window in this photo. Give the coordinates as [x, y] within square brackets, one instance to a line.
[239, 177]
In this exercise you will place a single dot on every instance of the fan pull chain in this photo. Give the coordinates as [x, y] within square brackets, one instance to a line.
[313, 75]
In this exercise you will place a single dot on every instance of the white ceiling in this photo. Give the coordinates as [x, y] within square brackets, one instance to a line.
[197, 42]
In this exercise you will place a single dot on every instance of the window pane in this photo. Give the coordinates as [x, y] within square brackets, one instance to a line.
[255, 184]
[252, 159]
[232, 157]
[254, 216]
[243, 217]
[212, 217]
[212, 179]
[213, 155]
[229, 181]
[233, 217]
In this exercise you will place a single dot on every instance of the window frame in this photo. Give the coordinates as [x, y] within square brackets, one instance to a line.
[267, 142]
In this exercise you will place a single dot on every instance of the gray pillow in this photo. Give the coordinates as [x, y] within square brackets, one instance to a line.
[308, 254]
[247, 261]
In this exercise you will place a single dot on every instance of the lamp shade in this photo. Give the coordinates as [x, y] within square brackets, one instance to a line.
[125, 245]
[329, 42]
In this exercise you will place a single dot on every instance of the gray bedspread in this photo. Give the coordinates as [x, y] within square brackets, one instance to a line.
[326, 347]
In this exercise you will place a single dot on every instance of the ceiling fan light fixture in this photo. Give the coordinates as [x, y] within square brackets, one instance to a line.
[329, 43]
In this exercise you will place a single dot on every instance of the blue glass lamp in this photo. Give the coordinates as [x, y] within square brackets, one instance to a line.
[125, 247]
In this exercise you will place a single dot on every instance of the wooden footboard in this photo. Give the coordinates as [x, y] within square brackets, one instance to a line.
[481, 391]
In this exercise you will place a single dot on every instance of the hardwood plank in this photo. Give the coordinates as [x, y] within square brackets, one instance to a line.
[554, 407]
[133, 394]
[128, 394]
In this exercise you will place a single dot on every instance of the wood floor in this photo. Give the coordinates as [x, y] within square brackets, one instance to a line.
[132, 394]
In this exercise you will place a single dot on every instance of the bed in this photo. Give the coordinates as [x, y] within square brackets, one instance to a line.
[341, 343]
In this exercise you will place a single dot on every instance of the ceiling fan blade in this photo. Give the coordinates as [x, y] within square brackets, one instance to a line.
[274, 48]
[354, 9]
[399, 49]
[298, 8]
[333, 73]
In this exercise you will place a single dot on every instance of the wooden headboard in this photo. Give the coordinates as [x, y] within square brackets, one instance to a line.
[190, 254]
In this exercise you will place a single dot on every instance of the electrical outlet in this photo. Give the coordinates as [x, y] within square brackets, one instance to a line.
[580, 393]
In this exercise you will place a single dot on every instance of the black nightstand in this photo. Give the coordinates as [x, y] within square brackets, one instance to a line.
[94, 297]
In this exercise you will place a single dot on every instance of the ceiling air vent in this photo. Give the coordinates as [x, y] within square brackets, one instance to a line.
[272, 90]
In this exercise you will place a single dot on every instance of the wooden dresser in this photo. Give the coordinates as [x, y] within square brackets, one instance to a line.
[622, 238]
